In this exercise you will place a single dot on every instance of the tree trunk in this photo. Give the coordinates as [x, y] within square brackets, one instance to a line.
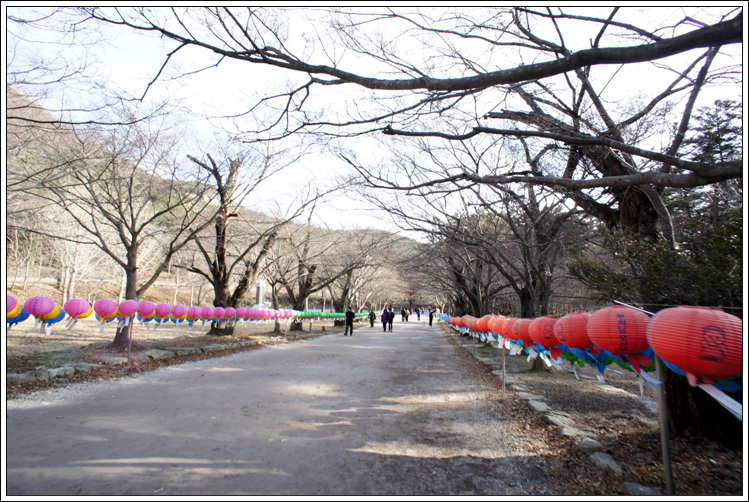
[298, 325]
[123, 335]
[221, 299]
[693, 412]
[63, 282]
[217, 331]
[527, 310]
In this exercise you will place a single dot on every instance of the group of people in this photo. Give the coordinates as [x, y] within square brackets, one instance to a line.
[386, 318]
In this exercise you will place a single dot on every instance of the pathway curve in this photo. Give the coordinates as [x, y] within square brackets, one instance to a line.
[373, 414]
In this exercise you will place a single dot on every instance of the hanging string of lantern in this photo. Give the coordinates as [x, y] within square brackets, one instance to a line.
[703, 344]
[46, 313]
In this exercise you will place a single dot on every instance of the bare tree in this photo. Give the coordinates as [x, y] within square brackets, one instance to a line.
[232, 261]
[361, 254]
[307, 260]
[438, 68]
[75, 260]
[52, 59]
[126, 192]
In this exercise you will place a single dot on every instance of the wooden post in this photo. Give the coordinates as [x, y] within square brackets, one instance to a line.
[663, 412]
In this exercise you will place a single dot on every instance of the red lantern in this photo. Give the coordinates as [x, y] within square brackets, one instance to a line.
[507, 328]
[495, 324]
[520, 329]
[469, 322]
[482, 325]
[542, 331]
[572, 330]
[700, 341]
[618, 329]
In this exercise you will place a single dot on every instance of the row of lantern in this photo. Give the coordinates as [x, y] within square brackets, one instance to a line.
[704, 344]
[46, 311]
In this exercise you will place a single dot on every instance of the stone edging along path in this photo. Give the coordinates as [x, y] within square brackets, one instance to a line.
[68, 370]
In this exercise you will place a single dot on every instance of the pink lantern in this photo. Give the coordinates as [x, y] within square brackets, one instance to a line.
[10, 303]
[146, 309]
[13, 308]
[241, 313]
[206, 313]
[128, 308]
[76, 307]
[39, 306]
[219, 312]
[179, 312]
[252, 313]
[51, 314]
[163, 310]
[193, 312]
[105, 308]
[230, 312]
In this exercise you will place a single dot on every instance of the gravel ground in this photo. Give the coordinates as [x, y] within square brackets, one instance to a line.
[626, 425]
[549, 463]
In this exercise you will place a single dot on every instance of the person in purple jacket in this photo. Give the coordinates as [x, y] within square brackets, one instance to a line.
[384, 319]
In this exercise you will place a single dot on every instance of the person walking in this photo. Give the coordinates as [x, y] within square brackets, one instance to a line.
[372, 317]
[391, 317]
[403, 315]
[418, 314]
[384, 319]
[349, 322]
[431, 316]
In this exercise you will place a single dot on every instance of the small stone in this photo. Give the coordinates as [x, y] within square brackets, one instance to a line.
[183, 351]
[538, 406]
[42, 374]
[589, 445]
[641, 490]
[20, 377]
[557, 419]
[572, 432]
[606, 461]
[83, 367]
[159, 354]
[528, 396]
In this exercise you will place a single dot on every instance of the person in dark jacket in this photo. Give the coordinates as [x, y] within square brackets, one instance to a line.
[391, 317]
[372, 317]
[431, 316]
[349, 322]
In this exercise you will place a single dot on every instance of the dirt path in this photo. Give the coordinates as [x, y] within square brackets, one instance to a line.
[373, 414]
